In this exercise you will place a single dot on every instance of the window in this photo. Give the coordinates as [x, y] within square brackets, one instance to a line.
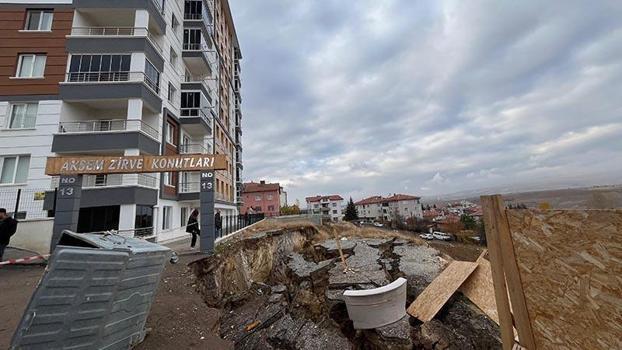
[190, 104]
[192, 39]
[30, 66]
[334, 205]
[171, 92]
[168, 179]
[101, 180]
[144, 220]
[99, 68]
[193, 9]
[271, 208]
[152, 76]
[23, 115]
[167, 212]
[170, 133]
[270, 197]
[14, 169]
[173, 58]
[334, 212]
[258, 198]
[184, 216]
[174, 23]
[40, 20]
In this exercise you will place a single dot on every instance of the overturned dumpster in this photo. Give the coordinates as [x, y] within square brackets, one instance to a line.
[96, 293]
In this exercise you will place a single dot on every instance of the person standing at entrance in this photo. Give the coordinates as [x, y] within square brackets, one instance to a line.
[8, 226]
[193, 227]
[218, 223]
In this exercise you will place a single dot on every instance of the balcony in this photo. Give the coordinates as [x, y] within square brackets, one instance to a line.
[112, 189]
[202, 20]
[116, 39]
[101, 8]
[196, 122]
[191, 82]
[88, 86]
[196, 56]
[105, 136]
[193, 148]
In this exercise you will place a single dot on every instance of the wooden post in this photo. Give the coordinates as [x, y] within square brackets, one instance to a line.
[498, 277]
[500, 240]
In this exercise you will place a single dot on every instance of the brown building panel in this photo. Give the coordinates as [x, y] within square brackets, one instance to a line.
[170, 150]
[13, 42]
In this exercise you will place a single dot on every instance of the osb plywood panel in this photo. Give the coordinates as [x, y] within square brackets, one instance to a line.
[570, 265]
[480, 290]
[432, 299]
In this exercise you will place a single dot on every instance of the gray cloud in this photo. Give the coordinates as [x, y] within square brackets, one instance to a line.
[428, 97]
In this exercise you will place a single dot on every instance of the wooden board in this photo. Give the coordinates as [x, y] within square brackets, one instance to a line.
[512, 276]
[480, 289]
[498, 275]
[570, 264]
[432, 299]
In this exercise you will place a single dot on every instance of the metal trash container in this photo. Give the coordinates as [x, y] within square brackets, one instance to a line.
[95, 293]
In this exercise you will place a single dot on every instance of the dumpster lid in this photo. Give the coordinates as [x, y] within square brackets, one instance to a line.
[111, 241]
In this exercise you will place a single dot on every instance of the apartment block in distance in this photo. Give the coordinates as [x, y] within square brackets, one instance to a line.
[121, 77]
[328, 206]
[261, 197]
[389, 208]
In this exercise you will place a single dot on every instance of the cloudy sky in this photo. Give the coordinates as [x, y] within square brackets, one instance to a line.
[430, 97]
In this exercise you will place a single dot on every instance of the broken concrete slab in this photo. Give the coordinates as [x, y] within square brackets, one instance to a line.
[329, 248]
[379, 242]
[419, 261]
[279, 289]
[276, 298]
[395, 336]
[302, 269]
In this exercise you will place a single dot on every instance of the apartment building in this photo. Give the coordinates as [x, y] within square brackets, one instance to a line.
[329, 206]
[121, 77]
[389, 208]
[261, 197]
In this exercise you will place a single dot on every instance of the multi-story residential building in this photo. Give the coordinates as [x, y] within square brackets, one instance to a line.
[112, 77]
[389, 208]
[329, 206]
[261, 197]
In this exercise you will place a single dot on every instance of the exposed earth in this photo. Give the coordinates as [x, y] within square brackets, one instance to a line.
[294, 299]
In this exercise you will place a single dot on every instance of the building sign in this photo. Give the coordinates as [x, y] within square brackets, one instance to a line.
[134, 164]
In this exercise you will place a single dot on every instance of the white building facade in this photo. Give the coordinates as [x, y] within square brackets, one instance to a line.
[389, 208]
[328, 206]
[137, 78]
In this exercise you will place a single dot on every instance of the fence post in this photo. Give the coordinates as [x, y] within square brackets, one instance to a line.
[19, 196]
[54, 205]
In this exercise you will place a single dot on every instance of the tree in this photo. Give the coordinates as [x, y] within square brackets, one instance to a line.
[290, 210]
[351, 212]
[468, 221]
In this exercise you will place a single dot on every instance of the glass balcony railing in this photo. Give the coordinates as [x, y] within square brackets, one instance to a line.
[112, 77]
[107, 125]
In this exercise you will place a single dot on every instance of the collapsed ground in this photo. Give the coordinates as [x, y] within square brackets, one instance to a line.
[282, 288]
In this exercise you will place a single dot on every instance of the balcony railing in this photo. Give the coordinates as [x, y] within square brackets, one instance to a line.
[114, 180]
[110, 125]
[196, 47]
[116, 31]
[112, 77]
[196, 112]
[189, 187]
[159, 5]
[191, 148]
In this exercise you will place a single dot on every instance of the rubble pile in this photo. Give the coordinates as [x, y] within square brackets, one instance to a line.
[278, 290]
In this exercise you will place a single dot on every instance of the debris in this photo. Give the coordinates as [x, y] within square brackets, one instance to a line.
[440, 290]
[480, 290]
[373, 308]
[250, 327]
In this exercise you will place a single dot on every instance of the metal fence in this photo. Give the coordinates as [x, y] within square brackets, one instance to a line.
[232, 223]
[25, 203]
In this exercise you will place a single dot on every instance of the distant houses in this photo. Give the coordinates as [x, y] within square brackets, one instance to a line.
[328, 206]
[262, 197]
[390, 208]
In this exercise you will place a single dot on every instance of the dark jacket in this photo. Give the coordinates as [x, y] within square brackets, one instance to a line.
[193, 225]
[218, 221]
[8, 227]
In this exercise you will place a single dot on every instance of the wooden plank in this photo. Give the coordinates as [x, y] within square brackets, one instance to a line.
[522, 321]
[498, 276]
[480, 289]
[570, 263]
[432, 299]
